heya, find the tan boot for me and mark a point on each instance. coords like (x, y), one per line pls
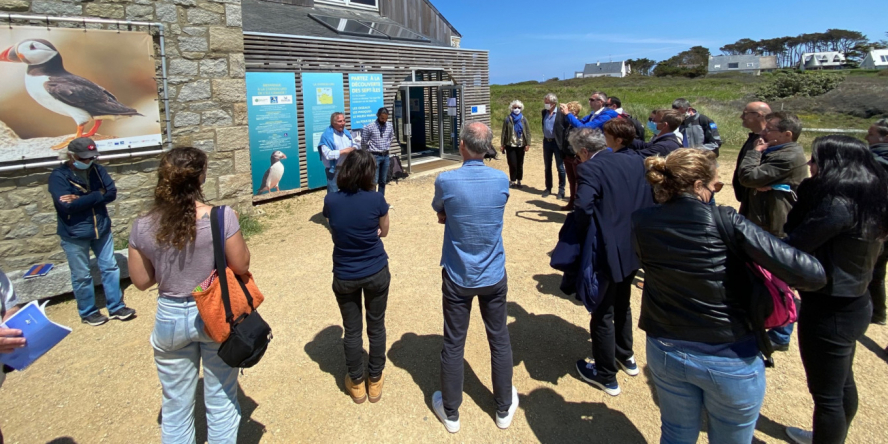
(375, 388)
(358, 392)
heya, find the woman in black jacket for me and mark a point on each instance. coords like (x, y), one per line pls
(840, 218)
(700, 349)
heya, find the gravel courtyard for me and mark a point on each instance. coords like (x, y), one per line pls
(100, 384)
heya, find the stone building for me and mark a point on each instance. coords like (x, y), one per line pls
(204, 50)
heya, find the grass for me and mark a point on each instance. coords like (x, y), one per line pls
(250, 225)
(722, 98)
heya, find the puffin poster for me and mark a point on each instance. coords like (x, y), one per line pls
(61, 83)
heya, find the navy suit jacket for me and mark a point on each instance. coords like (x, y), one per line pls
(611, 186)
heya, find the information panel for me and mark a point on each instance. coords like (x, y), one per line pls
(365, 98)
(322, 95)
(274, 132)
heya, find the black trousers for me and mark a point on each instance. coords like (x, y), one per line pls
(829, 328)
(611, 328)
(457, 309)
(348, 294)
(877, 286)
(515, 158)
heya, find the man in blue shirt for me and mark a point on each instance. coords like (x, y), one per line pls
(596, 119)
(553, 139)
(335, 143)
(470, 202)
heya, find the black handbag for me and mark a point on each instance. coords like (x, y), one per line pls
(250, 334)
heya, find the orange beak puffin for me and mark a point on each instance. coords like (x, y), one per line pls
(61, 92)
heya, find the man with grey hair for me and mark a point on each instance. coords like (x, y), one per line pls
(553, 140)
(611, 186)
(698, 131)
(335, 144)
(470, 202)
(877, 137)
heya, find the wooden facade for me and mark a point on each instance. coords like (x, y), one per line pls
(396, 62)
(420, 16)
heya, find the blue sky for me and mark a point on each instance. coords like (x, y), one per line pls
(533, 40)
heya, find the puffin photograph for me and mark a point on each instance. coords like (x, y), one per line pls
(59, 91)
(274, 173)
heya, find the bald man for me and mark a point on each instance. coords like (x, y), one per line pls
(753, 118)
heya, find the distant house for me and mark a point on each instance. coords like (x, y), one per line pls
(822, 60)
(875, 59)
(745, 63)
(608, 69)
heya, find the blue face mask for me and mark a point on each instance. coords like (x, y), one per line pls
(82, 166)
(653, 127)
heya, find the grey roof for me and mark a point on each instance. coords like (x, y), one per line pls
(277, 18)
(603, 68)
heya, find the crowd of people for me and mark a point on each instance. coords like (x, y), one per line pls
(818, 224)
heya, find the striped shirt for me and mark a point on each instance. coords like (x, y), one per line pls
(376, 139)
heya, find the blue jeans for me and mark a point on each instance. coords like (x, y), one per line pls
(331, 180)
(180, 344)
(382, 171)
(781, 335)
(77, 251)
(730, 389)
(551, 149)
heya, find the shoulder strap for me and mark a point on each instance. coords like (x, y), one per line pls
(217, 226)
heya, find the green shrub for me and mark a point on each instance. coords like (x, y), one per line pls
(250, 226)
(883, 73)
(799, 84)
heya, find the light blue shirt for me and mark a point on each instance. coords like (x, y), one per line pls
(474, 199)
(549, 125)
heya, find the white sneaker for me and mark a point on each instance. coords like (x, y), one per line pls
(438, 406)
(629, 366)
(505, 422)
(799, 436)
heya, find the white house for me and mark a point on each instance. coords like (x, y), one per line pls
(608, 69)
(822, 60)
(876, 59)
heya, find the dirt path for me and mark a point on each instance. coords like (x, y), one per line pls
(101, 384)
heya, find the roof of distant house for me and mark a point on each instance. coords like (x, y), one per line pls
(603, 68)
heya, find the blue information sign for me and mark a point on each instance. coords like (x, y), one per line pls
(274, 134)
(322, 95)
(365, 98)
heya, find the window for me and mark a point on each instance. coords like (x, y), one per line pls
(750, 65)
(837, 59)
(365, 4)
(396, 32)
(884, 58)
(733, 65)
(362, 28)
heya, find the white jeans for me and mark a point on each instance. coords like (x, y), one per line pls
(180, 344)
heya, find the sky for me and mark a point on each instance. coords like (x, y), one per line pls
(533, 40)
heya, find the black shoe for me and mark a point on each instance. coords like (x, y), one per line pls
(589, 373)
(560, 194)
(94, 319)
(878, 320)
(546, 194)
(518, 185)
(779, 347)
(123, 314)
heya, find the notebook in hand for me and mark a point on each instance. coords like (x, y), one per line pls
(41, 334)
(38, 270)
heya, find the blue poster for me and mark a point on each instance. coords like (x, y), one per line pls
(322, 95)
(365, 98)
(274, 133)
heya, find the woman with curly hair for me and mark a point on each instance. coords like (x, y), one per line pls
(172, 246)
(515, 142)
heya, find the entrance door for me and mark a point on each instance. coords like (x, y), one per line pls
(451, 115)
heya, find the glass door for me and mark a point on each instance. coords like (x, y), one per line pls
(451, 115)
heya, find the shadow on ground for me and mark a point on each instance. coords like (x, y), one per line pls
(326, 350)
(319, 219)
(248, 432)
(62, 440)
(871, 345)
(554, 420)
(773, 429)
(421, 357)
(548, 345)
(551, 206)
(541, 216)
(551, 284)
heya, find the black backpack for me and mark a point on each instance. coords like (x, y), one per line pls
(396, 171)
(639, 128)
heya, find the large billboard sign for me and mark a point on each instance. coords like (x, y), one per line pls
(322, 95)
(274, 132)
(61, 83)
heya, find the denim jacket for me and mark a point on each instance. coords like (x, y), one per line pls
(87, 216)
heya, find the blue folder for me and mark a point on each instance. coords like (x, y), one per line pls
(41, 334)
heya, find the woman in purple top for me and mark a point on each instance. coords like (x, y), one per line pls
(358, 219)
(172, 246)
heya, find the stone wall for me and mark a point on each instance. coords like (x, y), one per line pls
(205, 69)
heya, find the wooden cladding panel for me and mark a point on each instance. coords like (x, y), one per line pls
(418, 16)
(395, 63)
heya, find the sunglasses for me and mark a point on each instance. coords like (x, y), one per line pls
(717, 187)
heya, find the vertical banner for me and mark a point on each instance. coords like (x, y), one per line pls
(364, 98)
(274, 132)
(322, 95)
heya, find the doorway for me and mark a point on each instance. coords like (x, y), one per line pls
(429, 113)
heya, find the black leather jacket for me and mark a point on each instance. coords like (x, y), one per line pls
(684, 258)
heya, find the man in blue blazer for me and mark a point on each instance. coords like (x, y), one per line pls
(611, 186)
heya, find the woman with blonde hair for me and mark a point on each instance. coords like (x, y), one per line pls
(701, 350)
(515, 141)
(172, 246)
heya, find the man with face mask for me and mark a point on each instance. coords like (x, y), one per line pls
(699, 130)
(663, 124)
(80, 190)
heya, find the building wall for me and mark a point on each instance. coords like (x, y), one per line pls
(395, 62)
(418, 16)
(204, 47)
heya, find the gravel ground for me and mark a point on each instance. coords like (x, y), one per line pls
(100, 384)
